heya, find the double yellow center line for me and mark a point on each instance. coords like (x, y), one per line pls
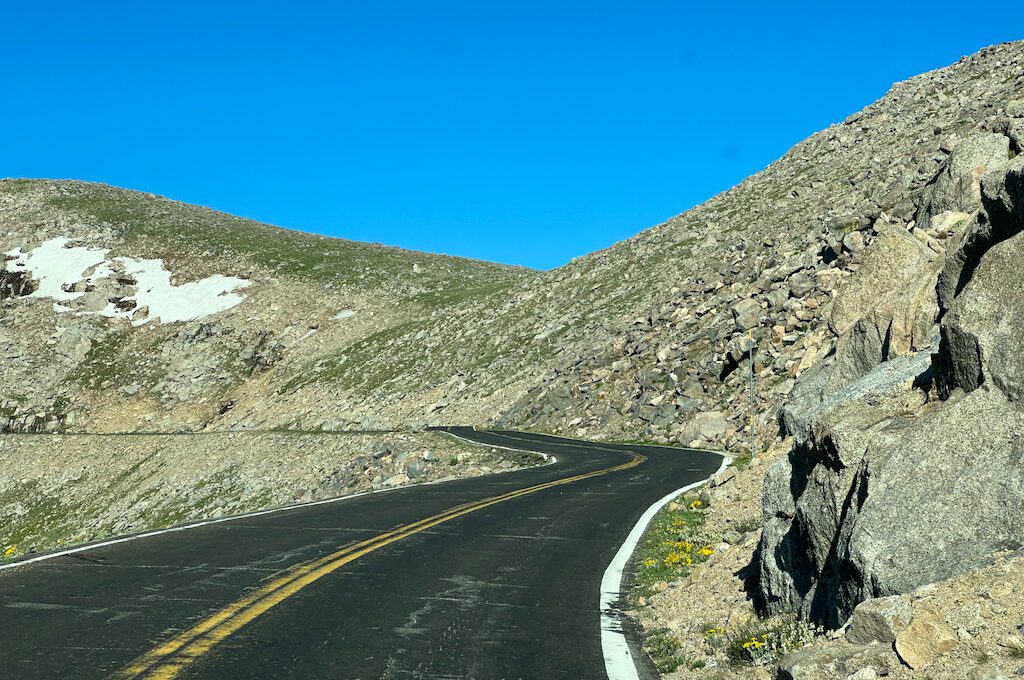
(168, 659)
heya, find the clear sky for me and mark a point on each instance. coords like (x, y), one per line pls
(522, 132)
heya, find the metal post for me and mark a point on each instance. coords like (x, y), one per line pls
(750, 337)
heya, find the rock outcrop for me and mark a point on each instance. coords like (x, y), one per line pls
(911, 472)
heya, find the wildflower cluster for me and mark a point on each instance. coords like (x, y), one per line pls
(757, 647)
(684, 553)
(672, 545)
(10, 551)
(767, 641)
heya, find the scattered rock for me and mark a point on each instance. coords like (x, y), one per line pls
(800, 284)
(926, 638)
(878, 620)
(819, 662)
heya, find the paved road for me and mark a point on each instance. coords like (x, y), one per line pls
(492, 577)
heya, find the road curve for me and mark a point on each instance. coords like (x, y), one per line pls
(491, 577)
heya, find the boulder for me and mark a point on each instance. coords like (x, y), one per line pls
(416, 469)
(982, 331)
(826, 662)
(746, 314)
(861, 509)
(879, 619)
(1002, 216)
(1015, 108)
(93, 301)
(854, 241)
(559, 397)
(739, 348)
(956, 186)
(905, 269)
(865, 345)
(816, 393)
(800, 284)
(926, 638)
(777, 297)
(709, 426)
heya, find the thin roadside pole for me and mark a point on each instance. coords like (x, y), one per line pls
(750, 364)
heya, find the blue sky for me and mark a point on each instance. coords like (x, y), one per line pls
(526, 132)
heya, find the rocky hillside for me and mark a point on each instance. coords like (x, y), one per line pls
(890, 510)
(649, 337)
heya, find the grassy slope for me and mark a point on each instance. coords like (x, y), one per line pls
(393, 288)
(176, 230)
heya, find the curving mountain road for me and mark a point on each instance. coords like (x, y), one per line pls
(490, 577)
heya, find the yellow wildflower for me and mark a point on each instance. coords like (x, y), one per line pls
(685, 546)
(678, 559)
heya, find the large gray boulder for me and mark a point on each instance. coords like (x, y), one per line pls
(879, 501)
(956, 187)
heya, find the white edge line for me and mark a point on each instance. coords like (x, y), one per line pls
(618, 660)
(257, 513)
(546, 456)
(618, 445)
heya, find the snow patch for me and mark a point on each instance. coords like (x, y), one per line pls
(345, 314)
(58, 267)
(53, 264)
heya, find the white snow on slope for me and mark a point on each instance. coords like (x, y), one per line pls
(52, 265)
(55, 265)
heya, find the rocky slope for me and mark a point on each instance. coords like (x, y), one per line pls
(911, 472)
(901, 466)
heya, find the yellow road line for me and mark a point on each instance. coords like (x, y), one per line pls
(171, 657)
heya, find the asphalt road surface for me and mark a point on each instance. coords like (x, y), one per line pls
(484, 578)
